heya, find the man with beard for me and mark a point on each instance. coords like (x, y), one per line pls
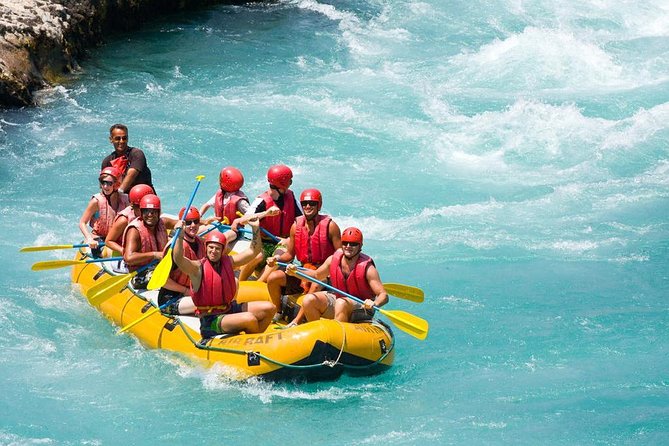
(313, 238)
(129, 161)
(213, 286)
(102, 209)
(351, 271)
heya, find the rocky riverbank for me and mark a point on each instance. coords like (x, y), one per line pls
(41, 41)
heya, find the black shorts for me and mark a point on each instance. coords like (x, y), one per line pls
(210, 323)
(293, 286)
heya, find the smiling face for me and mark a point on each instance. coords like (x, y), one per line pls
(351, 249)
(107, 184)
(214, 251)
(310, 209)
(190, 228)
(119, 139)
(150, 217)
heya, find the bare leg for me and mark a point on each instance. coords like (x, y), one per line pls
(314, 305)
(275, 281)
(250, 267)
(343, 309)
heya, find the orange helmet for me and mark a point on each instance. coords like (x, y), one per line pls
(231, 179)
(280, 176)
(352, 235)
(138, 191)
(193, 214)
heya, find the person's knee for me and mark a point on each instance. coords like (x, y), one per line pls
(277, 277)
(309, 300)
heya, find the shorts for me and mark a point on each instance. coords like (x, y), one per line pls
(210, 323)
(329, 311)
(359, 313)
(269, 248)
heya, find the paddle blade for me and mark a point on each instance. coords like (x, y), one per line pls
(138, 320)
(162, 272)
(44, 248)
(99, 293)
(408, 322)
(412, 293)
(53, 264)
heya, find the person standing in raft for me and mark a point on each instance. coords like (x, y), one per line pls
(229, 199)
(313, 238)
(177, 287)
(351, 271)
(114, 239)
(130, 161)
(279, 177)
(102, 209)
(144, 239)
(214, 287)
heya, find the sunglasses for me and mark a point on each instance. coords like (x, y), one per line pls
(309, 203)
(150, 211)
(353, 244)
(191, 222)
(106, 183)
(120, 138)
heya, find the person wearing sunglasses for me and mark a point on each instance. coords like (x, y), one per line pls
(114, 239)
(279, 195)
(313, 238)
(102, 209)
(351, 271)
(177, 286)
(144, 239)
(129, 161)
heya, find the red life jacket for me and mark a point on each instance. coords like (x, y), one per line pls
(279, 225)
(106, 213)
(127, 213)
(218, 287)
(149, 241)
(226, 207)
(120, 164)
(179, 276)
(356, 282)
(314, 248)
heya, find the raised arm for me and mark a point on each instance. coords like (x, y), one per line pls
(247, 255)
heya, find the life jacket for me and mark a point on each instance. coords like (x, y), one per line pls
(356, 282)
(179, 276)
(127, 212)
(102, 221)
(279, 225)
(149, 241)
(218, 287)
(314, 248)
(226, 207)
(121, 164)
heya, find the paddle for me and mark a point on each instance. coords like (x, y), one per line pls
(148, 313)
(260, 215)
(53, 264)
(412, 293)
(104, 290)
(407, 292)
(407, 322)
(50, 247)
(162, 271)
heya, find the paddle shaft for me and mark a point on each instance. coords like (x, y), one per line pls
(148, 313)
(52, 247)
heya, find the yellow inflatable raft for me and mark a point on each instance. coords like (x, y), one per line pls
(320, 350)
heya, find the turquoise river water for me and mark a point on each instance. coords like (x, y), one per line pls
(510, 157)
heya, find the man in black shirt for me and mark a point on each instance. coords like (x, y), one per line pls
(130, 161)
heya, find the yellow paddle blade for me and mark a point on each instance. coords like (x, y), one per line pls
(44, 248)
(162, 272)
(138, 320)
(104, 290)
(53, 264)
(407, 322)
(250, 290)
(407, 292)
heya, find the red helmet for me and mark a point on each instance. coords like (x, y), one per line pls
(138, 191)
(193, 214)
(352, 235)
(280, 176)
(149, 201)
(113, 171)
(215, 237)
(312, 195)
(231, 179)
